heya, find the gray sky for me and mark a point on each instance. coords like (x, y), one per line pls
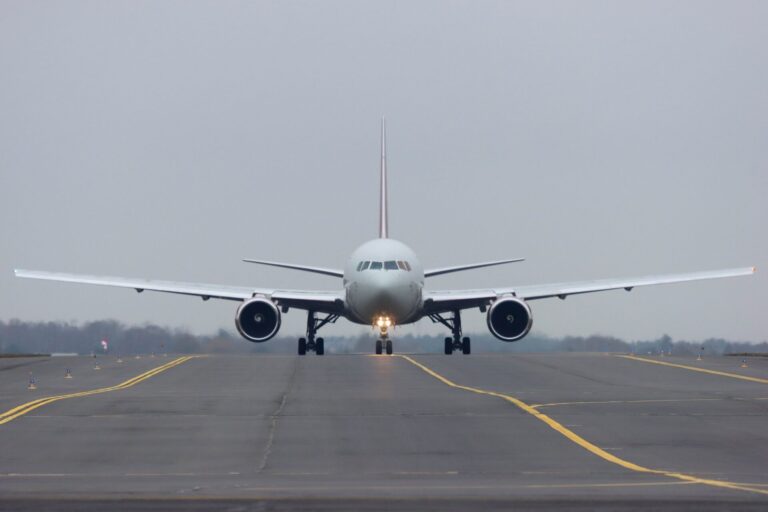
(598, 139)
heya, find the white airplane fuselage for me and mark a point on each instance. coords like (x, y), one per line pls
(389, 285)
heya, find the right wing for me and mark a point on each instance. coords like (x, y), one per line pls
(321, 301)
(562, 290)
(439, 301)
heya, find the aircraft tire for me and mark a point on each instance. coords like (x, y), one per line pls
(320, 346)
(389, 347)
(448, 346)
(378, 347)
(302, 346)
(466, 347)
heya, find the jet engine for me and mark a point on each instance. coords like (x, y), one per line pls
(257, 320)
(509, 319)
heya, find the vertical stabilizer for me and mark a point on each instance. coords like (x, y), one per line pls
(383, 218)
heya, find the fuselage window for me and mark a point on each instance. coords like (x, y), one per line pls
(375, 265)
(390, 265)
(365, 265)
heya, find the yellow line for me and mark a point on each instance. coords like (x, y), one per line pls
(577, 439)
(556, 404)
(612, 484)
(23, 409)
(695, 369)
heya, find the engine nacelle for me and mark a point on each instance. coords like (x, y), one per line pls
(257, 320)
(509, 319)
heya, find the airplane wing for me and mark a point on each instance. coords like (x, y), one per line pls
(438, 301)
(322, 301)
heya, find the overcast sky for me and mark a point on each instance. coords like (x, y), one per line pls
(598, 139)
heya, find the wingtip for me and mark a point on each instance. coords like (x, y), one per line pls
(754, 270)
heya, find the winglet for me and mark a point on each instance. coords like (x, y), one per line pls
(383, 217)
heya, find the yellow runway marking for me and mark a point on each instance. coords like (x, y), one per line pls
(695, 369)
(23, 409)
(577, 439)
(557, 404)
(612, 484)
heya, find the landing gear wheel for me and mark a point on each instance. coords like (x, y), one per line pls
(448, 346)
(389, 347)
(378, 347)
(466, 347)
(313, 324)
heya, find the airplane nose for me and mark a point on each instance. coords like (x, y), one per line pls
(378, 293)
(390, 297)
(383, 296)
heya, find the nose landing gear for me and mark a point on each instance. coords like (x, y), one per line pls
(384, 345)
(313, 325)
(456, 342)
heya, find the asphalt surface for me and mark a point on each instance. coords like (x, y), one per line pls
(368, 433)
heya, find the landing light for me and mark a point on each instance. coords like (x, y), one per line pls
(383, 321)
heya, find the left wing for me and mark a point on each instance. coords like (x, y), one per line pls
(460, 299)
(322, 301)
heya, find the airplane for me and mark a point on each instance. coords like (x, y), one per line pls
(383, 285)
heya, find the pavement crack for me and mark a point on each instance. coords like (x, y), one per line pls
(275, 416)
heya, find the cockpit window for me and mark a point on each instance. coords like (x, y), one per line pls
(384, 265)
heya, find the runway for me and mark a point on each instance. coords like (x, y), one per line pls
(434, 432)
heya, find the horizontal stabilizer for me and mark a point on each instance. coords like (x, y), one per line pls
(459, 268)
(304, 268)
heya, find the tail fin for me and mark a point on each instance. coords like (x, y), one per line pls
(383, 217)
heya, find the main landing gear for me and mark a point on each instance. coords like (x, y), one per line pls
(454, 324)
(313, 325)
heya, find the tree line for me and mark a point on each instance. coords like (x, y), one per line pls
(19, 337)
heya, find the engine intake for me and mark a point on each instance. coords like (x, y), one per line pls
(510, 319)
(257, 320)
